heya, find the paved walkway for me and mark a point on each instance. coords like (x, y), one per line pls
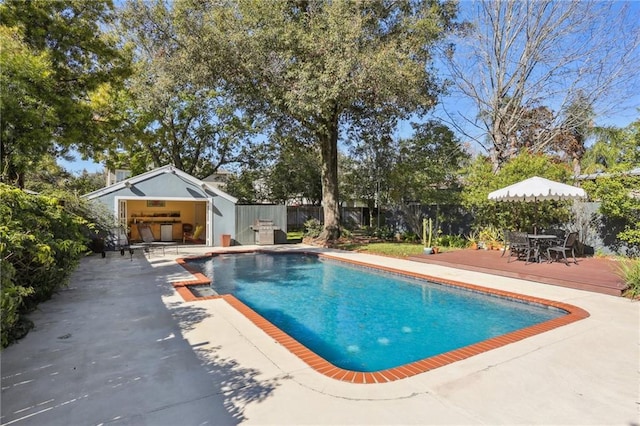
(118, 346)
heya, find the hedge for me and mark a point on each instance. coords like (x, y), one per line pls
(41, 243)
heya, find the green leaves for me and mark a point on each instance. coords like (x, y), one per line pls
(427, 167)
(179, 114)
(322, 66)
(615, 153)
(40, 245)
(57, 55)
(619, 195)
(479, 181)
(27, 119)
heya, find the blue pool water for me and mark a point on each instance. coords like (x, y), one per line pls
(360, 319)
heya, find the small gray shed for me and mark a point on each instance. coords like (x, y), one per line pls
(170, 201)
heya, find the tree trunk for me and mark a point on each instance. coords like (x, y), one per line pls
(331, 208)
(577, 169)
(498, 139)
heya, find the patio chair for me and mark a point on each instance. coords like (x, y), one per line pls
(569, 245)
(194, 236)
(506, 242)
(520, 247)
(510, 242)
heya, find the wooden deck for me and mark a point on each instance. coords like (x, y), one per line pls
(590, 274)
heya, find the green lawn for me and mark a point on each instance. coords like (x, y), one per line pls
(389, 249)
(383, 248)
(294, 235)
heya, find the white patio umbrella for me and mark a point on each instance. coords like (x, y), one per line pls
(537, 189)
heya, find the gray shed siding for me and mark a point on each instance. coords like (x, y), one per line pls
(247, 215)
(224, 219)
(164, 186)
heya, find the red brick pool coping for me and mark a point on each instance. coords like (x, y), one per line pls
(322, 366)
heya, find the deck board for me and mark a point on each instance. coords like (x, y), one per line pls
(590, 274)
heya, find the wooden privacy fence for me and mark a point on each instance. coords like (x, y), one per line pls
(298, 215)
(596, 232)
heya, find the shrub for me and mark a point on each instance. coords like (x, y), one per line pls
(629, 271)
(383, 232)
(618, 204)
(40, 245)
(456, 241)
(11, 299)
(410, 237)
(312, 228)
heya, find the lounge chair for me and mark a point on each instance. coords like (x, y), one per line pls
(569, 245)
(149, 241)
(117, 240)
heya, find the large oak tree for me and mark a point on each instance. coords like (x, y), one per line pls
(318, 66)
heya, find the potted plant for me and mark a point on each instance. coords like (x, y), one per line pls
(484, 238)
(439, 241)
(473, 240)
(489, 237)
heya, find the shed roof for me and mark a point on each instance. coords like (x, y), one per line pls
(155, 173)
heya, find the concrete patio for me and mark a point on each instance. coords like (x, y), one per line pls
(119, 346)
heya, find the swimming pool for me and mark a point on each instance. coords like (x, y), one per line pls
(365, 321)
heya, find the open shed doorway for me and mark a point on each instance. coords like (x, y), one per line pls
(199, 227)
(168, 219)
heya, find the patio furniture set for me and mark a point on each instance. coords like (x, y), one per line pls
(534, 247)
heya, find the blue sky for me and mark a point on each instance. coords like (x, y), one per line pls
(77, 166)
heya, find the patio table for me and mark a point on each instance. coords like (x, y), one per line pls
(540, 242)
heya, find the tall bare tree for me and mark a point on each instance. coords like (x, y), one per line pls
(519, 55)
